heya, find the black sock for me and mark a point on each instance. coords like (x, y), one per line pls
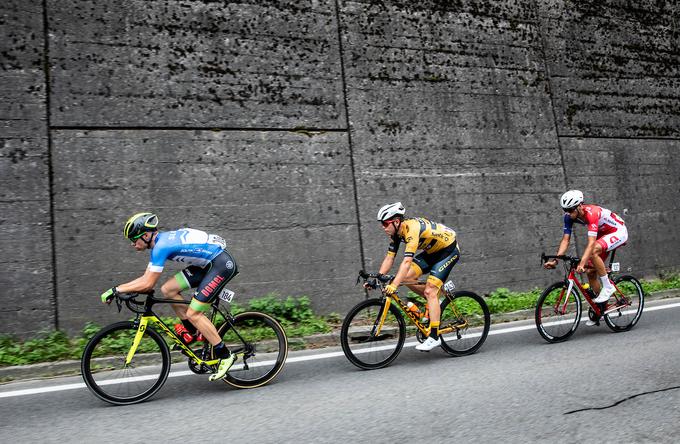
(221, 351)
(189, 326)
(434, 330)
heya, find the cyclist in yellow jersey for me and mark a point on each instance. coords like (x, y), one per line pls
(438, 256)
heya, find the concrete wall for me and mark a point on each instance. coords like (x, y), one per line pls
(285, 125)
(27, 293)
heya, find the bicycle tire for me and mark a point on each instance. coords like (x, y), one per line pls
(265, 346)
(625, 319)
(358, 339)
(552, 325)
(473, 310)
(110, 379)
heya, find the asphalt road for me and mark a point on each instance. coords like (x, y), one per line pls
(597, 387)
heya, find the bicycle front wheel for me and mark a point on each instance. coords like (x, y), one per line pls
(628, 305)
(558, 312)
(465, 322)
(261, 346)
(369, 339)
(109, 378)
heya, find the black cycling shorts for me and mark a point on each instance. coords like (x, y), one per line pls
(439, 264)
(209, 280)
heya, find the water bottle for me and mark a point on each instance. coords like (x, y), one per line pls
(426, 316)
(587, 288)
(413, 308)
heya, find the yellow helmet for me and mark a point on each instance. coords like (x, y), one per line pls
(139, 224)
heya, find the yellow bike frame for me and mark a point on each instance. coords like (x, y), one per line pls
(144, 322)
(424, 329)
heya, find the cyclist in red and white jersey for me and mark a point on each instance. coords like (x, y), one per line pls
(606, 232)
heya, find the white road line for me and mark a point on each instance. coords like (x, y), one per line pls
(314, 357)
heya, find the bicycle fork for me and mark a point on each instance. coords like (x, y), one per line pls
(563, 299)
(143, 324)
(377, 328)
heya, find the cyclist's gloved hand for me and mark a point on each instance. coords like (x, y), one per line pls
(108, 295)
(390, 289)
(370, 283)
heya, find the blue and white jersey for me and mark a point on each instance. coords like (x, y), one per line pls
(186, 245)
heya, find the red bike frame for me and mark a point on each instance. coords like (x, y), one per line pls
(599, 309)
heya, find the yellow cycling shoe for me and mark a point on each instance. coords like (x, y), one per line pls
(223, 368)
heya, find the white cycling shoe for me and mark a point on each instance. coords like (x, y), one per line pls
(429, 344)
(604, 295)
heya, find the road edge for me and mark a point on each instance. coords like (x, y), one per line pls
(45, 370)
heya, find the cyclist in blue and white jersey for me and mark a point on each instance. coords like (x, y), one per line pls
(210, 267)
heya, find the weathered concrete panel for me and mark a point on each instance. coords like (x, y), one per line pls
(26, 292)
(282, 200)
(455, 108)
(638, 179)
(614, 67)
(195, 63)
(450, 113)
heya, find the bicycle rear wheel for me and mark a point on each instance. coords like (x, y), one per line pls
(104, 370)
(261, 344)
(364, 345)
(630, 300)
(465, 322)
(558, 312)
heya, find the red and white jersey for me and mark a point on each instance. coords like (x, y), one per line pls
(600, 221)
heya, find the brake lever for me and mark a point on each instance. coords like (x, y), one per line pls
(119, 304)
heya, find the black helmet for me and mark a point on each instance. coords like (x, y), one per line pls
(139, 224)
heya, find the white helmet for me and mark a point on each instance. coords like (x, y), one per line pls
(571, 198)
(391, 210)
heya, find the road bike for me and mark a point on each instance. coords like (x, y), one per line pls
(558, 310)
(373, 332)
(129, 361)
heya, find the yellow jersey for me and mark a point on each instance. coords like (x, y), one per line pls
(419, 233)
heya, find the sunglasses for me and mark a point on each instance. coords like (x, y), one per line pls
(134, 238)
(386, 223)
(570, 210)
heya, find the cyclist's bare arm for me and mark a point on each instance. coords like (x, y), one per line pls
(403, 271)
(143, 283)
(586, 254)
(386, 264)
(564, 246)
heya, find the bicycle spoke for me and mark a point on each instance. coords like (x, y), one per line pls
(624, 313)
(260, 345)
(106, 373)
(360, 343)
(558, 313)
(465, 322)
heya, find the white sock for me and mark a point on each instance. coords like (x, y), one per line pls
(605, 281)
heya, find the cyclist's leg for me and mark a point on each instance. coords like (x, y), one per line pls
(418, 268)
(440, 271)
(221, 270)
(603, 246)
(593, 268)
(186, 279)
